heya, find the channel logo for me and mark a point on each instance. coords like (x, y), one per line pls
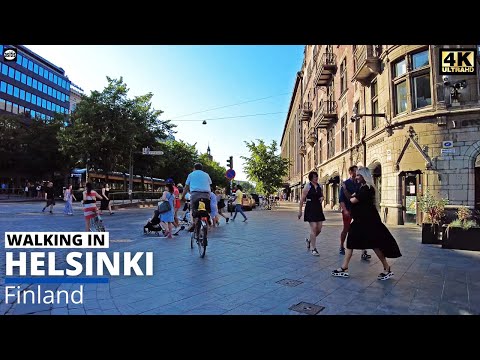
(10, 55)
(458, 61)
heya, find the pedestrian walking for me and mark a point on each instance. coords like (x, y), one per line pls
(68, 197)
(221, 204)
(312, 194)
(49, 197)
(349, 187)
(105, 204)
(238, 203)
(90, 197)
(168, 217)
(367, 230)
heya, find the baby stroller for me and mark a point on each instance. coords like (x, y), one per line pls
(153, 225)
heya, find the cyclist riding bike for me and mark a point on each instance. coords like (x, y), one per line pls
(198, 184)
(90, 205)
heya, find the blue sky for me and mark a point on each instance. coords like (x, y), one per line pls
(188, 79)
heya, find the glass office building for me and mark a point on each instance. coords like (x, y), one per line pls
(32, 85)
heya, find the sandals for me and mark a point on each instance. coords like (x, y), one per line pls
(315, 252)
(386, 274)
(365, 255)
(308, 243)
(341, 272)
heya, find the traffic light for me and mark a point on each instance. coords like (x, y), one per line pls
(230, 162)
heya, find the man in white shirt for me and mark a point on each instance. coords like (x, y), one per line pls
(198, 185)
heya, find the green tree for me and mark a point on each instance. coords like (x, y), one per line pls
(265, 167)
(108, 127)
(216, 172)
(176, 162)
(247, 187)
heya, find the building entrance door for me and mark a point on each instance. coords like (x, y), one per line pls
(412, 190)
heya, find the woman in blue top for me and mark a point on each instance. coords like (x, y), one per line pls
(168, 217)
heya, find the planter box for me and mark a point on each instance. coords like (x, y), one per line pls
(430, 236)
(460, 239)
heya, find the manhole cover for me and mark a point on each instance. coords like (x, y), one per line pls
(289, 282)
(307, 308)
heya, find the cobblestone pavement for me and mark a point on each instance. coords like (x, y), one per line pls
(243, 264)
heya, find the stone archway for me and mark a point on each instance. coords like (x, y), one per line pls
(477, 182)
(472, 157)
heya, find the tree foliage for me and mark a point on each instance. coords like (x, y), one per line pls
(29, 147)
(108, 126)
(216, 172)
(176, 162)
(264, 166)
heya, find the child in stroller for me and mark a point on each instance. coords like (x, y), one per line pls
(153, 224)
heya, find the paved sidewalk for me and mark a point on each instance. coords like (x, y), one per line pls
(245, 262)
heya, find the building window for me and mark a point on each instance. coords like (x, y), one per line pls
(35, 83)
(40, 71)
(9, 89)
(44, 103)
(16, 91)
(24, 78)
(21, 109)
(9, 106)
(412, 77)
(343, 76)
(35, 68)
(34, 99)
(15, 108)
(22, 94)
(4, 69)
(11, 72)
(29, 81)
(357, 122)
(18, 75)
(2, 104)
(25, 62)
(50, 76)
(343, 134)
(30, 65)
(374, 90)
(3, 86)
(28, 97)
(49, 91)
(44, 88)
(331, 142)
(320, 145)
(19, 59)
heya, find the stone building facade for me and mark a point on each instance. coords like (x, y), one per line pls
(386, 107)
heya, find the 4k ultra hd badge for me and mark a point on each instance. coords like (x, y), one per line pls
(10, 55)
(458, 61)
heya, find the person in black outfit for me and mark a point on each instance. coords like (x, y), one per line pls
(313, 195)
(105, 202)
(367, 230)
(49, 197)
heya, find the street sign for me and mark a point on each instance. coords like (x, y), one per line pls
(155, 152)
(448, 151)
(230, 174)
(447, 144)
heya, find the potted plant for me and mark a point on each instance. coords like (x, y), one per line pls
(463, 233)
(433, 210)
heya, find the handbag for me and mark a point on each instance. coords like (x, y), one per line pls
(164, 207)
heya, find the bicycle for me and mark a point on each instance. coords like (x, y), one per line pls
(200, 231)
(200, 236)
(96, 224)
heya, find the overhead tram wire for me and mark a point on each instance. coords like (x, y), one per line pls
(225, 106)
(231, 117)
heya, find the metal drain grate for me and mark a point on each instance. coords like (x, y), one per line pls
(307, 308)
(289, 282)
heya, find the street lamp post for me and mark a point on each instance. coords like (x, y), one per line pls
(357, 117)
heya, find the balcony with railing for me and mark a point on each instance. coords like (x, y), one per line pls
(326, 113)
(305, 111)
(302, 150)
(367, 63)
(325, 69)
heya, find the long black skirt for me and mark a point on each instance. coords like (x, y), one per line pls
(372, 235)
(104, 204)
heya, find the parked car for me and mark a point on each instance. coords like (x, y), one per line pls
(256, 198)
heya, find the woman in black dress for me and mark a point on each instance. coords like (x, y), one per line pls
(367, 230)
(313, 194)
(105, 203)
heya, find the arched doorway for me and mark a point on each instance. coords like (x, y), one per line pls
(376, 171)
(477, 182)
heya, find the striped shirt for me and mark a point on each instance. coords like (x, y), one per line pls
(90, 209)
